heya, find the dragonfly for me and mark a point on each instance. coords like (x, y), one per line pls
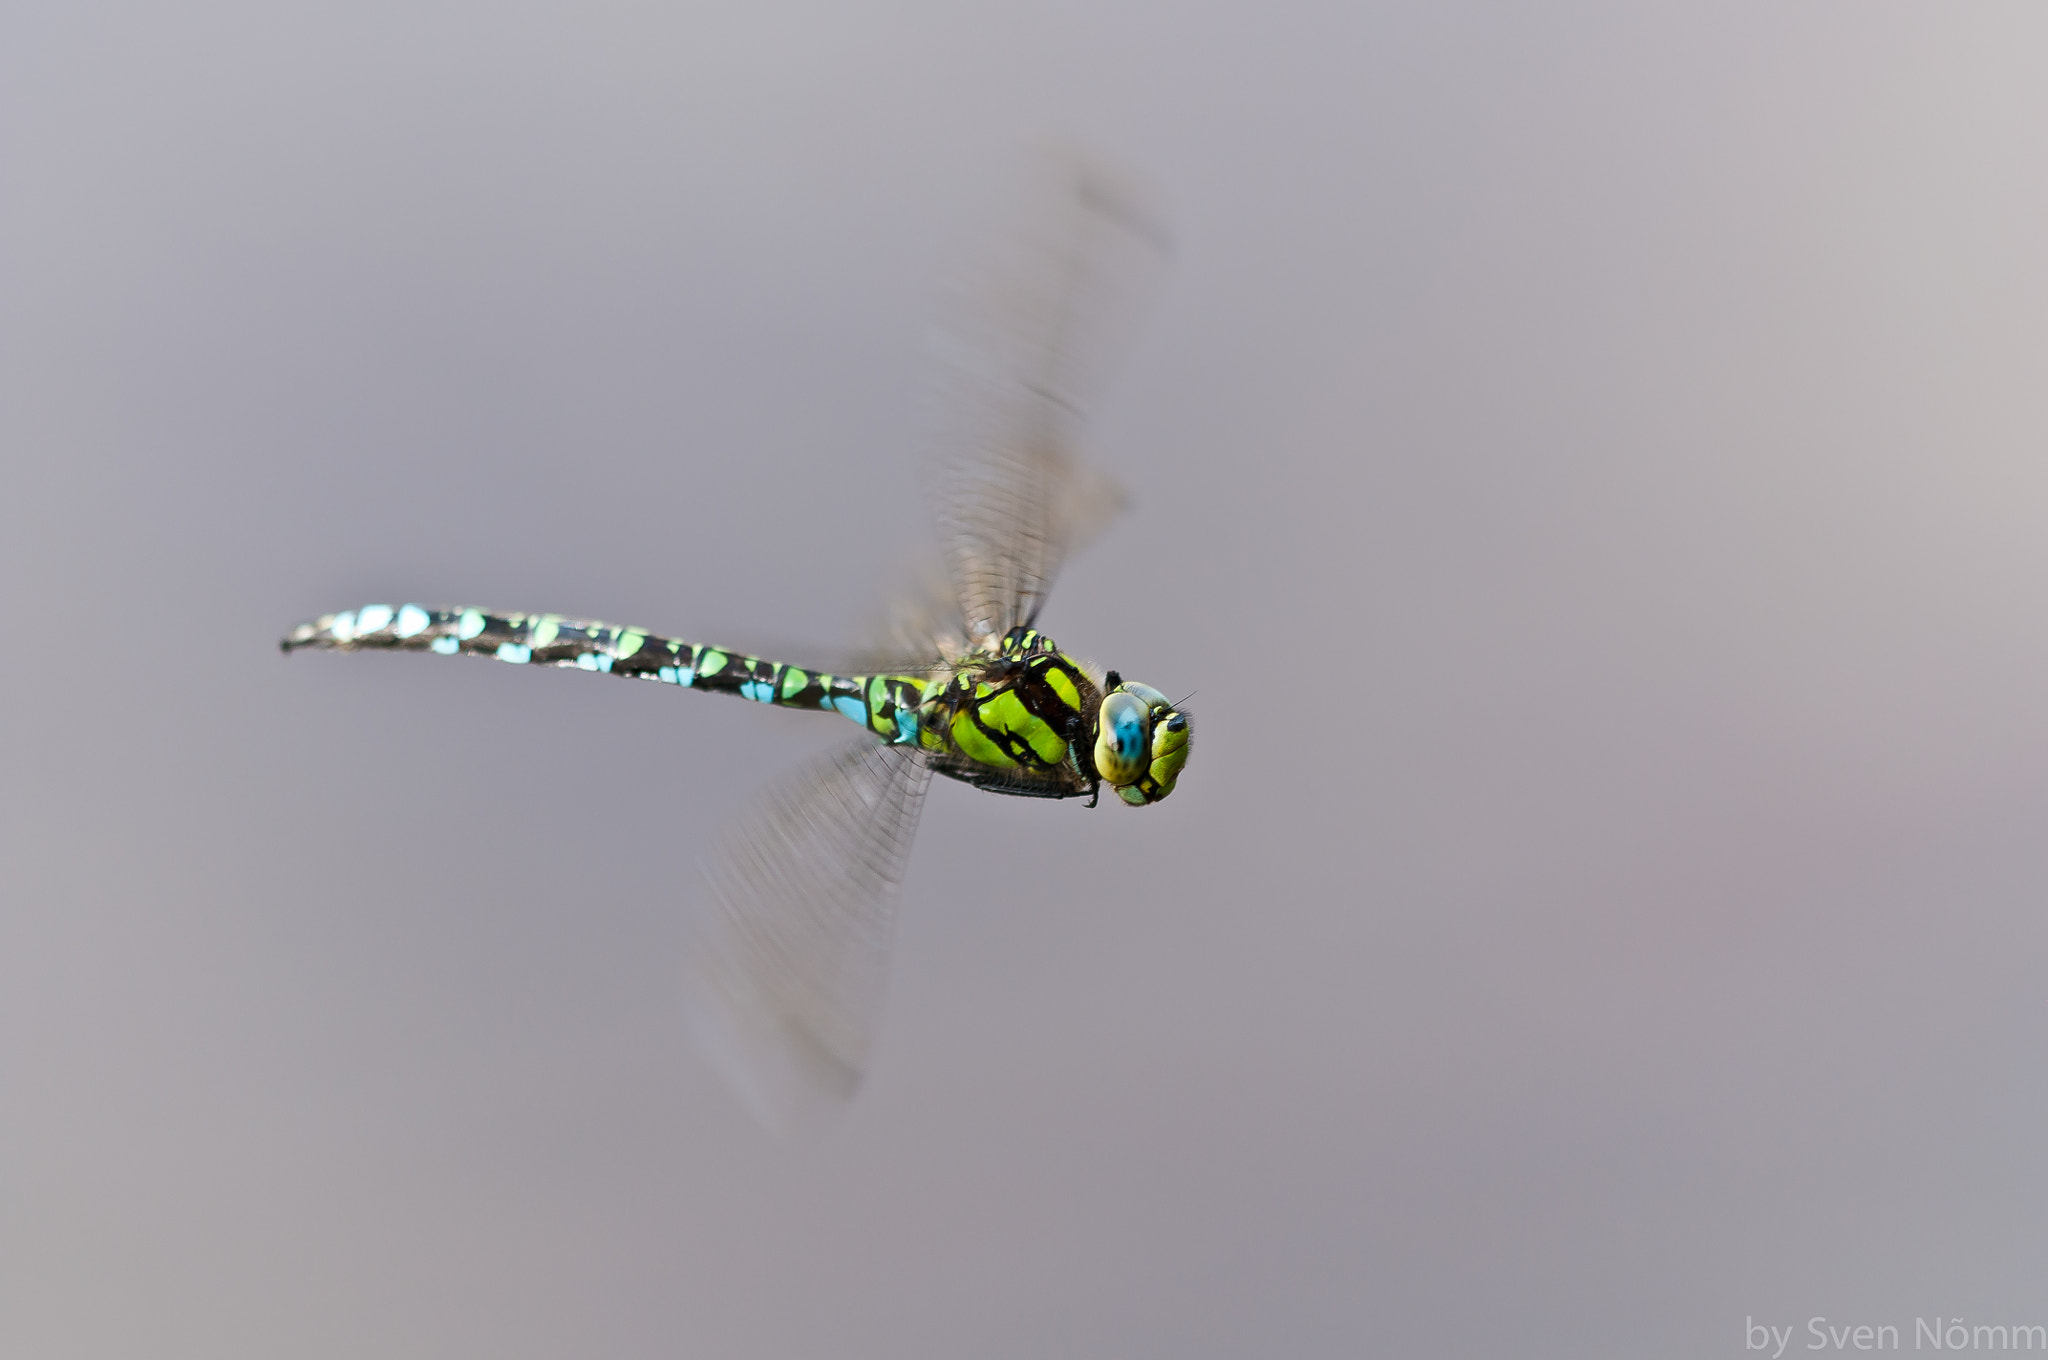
(790, 939)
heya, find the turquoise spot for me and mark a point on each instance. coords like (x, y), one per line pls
(1127, 732)
(446, 646)
(343, 627)
(469, 625)
(851, 708)
(760, 691)
(593, 661)
(666, 674)
(372, 617)
(412, 620)
(514, 653)
(906, 726)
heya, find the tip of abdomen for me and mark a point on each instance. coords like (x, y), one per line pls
(304, 635)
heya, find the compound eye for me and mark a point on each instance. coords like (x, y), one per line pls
(1169, 753)
(1150, 697)
(1123, 738)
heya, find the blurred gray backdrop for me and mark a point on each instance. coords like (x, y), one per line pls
(1588, 460)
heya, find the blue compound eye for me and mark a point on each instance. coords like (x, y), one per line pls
(1123, 738)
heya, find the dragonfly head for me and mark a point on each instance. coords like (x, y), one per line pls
(1141, 741)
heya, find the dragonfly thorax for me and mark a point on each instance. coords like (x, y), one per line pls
(1014, 718)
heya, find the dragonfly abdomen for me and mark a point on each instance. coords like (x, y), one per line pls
(885, 705)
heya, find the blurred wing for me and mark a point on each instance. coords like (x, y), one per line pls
(919, 633)
(792, 942)
(1031, 335)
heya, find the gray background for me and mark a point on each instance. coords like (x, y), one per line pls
(1589, 462)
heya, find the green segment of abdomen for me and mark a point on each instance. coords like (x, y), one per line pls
(886, 705)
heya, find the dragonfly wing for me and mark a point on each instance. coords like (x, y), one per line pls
(1030, 337)
(791, 953)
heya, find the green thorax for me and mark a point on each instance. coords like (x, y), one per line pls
(1018, 720)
